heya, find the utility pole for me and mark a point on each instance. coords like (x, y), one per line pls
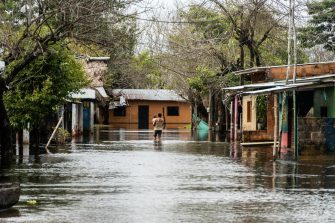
(295, 118)
(292, 38)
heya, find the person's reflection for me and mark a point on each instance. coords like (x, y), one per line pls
(158, 145)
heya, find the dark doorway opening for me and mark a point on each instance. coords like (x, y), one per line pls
(143, 117)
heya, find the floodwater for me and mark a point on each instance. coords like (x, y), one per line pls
(123, 176)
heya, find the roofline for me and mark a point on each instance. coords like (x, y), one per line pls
(181, 100)
(266, 86)
(260, 69)
(250, 70)
(98, 58)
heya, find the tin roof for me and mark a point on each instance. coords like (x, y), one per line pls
(85, 93)
(102, 91)
(263, 69)
(98, 58)
(278, 86)
(149, 94)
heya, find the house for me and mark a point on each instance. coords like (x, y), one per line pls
(135, 108)
(300, 113)
(90, 105)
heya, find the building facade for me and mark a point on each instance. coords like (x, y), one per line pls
(135, 108)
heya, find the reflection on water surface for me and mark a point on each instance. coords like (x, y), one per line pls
(123, 176)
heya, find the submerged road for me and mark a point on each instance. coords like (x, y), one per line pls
(122, 176)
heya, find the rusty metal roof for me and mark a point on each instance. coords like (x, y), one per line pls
(278, 86)
(149, 94)
(253, 70)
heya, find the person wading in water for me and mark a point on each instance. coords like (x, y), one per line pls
(158, 124)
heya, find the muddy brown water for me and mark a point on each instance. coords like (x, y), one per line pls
(123, 176)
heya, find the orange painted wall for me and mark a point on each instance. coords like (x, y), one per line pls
(155, 107)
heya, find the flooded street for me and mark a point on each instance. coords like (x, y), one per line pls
(122, 176)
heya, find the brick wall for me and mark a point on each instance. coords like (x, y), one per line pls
(316, 135)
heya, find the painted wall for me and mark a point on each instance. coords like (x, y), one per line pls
(130, 120)
(324, 97)
(249, 125)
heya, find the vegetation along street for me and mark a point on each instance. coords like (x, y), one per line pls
(167, 111)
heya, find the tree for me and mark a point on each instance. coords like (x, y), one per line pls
(43, 86)
(29, 28)
(320, 29)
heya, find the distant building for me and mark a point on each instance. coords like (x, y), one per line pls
(307, 128)
(90, 105)
(135, 108)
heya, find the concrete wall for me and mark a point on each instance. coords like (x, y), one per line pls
(96, 72)
(316, 135)
(324, 97)
(155, 107)
(252, 125)
(250, 131)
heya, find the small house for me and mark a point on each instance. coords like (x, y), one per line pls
(85, 110)
(300, 111)
(90, 105)
(135, 108)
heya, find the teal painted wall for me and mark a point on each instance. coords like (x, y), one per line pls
(324, 97)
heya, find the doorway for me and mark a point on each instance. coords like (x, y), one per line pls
(143, 116)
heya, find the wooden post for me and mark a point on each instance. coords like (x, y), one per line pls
(227, 118)
(91, 117)
(295, 126)
(210, 117)
(236, 117)
(74, 121)
(231, 121)
(275, 133)
(53, 134)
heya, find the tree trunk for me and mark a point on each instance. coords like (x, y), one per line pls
(34, 140)
(241, 66)
(5, 129)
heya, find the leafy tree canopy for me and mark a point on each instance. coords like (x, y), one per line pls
(42, 86)
(321, 27)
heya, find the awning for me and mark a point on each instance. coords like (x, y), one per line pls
(277, 86)
(85, 93)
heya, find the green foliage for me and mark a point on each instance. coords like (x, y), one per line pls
(321, 27)
(146, 65)
(42, 86)
(144, 72)
(217, 27)
(261, 114)
(204, 78)
(61, 135)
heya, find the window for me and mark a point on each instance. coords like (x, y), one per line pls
(120, 111)
(323, 111)
(249, 111)
(173, 111)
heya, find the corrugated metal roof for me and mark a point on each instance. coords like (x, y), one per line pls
(85, 93)
(267, 87)
(98, 58)
(278, 88)
(262, 69)
(149, 94)
(102, 91)
(253, 86)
